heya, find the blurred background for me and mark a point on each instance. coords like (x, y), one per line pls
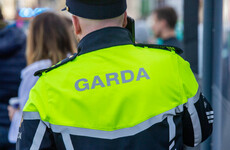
(203, 27)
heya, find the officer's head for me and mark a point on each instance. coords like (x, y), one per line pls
(91, 15)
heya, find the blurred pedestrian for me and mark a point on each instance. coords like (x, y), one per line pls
(49, 41)
(142, 32)
(12, 61)
(164, 23)
(114, 94)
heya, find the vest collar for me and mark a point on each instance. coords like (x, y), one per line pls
(104, 38)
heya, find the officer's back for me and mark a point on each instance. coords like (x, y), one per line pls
(114, 94)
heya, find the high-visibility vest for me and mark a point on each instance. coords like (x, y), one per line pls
(112, 92)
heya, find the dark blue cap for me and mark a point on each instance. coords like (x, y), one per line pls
(96, 9)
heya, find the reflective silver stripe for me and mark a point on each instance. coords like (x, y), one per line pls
(67, 141)
(210, 117)
(171, 145)
(195, 118)
(38, 136)
(47, 124)
(210, 121)
(196, 124)
(116, 133)
(31, 115)
(192, 148)
(172, 131)
(195, 98)
(209, 113)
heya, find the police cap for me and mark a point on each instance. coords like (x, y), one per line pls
(96, 9)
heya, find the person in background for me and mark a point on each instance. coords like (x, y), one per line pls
(142, 32)
(47, 45)
(164, 22)
(12, 61)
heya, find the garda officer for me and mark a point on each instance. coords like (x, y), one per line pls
(113, 94)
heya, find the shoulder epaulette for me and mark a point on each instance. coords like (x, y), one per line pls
(164, 47)
(64, 61)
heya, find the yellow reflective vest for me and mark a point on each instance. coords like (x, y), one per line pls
(120, 97)
(139, 83)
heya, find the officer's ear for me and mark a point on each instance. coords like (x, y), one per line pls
(76, 24)
(125, 20)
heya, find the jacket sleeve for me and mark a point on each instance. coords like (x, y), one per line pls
(34, 134)
(33, 131)
(197, 120)
(198, 114)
